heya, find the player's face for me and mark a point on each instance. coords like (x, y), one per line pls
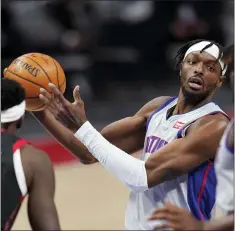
(200, 75)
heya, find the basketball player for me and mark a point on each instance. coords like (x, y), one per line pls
(179, 135)
(180, 219)
(25, 170)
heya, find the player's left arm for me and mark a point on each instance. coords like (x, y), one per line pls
(230, 137)
(183, 155)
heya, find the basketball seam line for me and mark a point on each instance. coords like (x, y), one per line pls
(25, 79)
(57, 76)
(40, 67)
(62, 84)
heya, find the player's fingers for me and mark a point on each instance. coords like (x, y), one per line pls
(44, 99)
(166, 216)
(161, 227)
(174, 226)
(49, 106)
(159, 216)
(46, 94)
(76, 95)
(159, 211)
(57, 108)
(171, 207)
(57, 111)
(168, 225)
(48, 99)
(57, 94)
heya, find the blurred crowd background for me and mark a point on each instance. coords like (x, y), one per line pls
(121, 53)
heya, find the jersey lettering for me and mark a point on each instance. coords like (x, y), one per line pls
(154, 143)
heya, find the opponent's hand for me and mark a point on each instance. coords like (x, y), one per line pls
(72, 115)
(176, 218)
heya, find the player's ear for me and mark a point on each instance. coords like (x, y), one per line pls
(220, 81)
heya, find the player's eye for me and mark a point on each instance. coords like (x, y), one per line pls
(192, 62)
(210, 68)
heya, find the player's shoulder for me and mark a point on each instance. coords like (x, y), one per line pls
(218, 120)
(152, 105)
(230, 135)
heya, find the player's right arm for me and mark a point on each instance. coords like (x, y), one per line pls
(225, 223)
(127, 134)
(40, 182)
(177, 218)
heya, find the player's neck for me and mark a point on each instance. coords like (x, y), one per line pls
(183, 106)
(10, 129)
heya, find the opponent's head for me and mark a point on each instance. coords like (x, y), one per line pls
(201, 69)
(228, 57)
(12, 104)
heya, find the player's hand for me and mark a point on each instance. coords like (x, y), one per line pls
(72, 115)
(176, 218)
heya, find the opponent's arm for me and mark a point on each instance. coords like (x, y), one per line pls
(40, 180)
(127, 134)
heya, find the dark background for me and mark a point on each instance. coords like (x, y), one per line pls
(121, 53)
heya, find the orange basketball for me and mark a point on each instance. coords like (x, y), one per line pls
(34, 71)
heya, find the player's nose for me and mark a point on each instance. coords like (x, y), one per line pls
(198, 69)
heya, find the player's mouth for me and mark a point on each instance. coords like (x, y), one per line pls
(196, 83)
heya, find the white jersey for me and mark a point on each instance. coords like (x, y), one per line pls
(194, 191)
(224, 167)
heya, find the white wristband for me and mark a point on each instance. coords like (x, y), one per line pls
(126, 168)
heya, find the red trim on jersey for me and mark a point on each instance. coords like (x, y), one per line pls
(203, 188)
(19, 144)
(16, 146)
(10, 221)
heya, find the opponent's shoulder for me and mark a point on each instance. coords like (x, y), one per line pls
(152, 105)
(34, 157)
(35, 163)
(218, 121)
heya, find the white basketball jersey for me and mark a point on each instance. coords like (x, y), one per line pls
(224, 167)
(194, 191)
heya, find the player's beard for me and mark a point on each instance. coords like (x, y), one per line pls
(194, 98)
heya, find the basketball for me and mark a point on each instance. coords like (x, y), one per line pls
(34, 71)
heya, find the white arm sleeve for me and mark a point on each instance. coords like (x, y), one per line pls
(126, 168)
